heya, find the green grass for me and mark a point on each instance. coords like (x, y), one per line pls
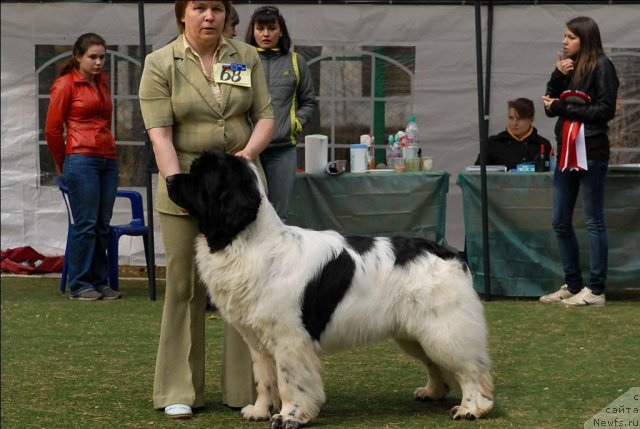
(68, 364)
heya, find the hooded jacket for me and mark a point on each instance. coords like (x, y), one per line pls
(293, 99)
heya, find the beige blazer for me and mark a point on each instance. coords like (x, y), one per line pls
(174, 92)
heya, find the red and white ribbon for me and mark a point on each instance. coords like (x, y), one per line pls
(574, 151)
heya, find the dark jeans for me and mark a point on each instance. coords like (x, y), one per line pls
(279, 166)
(565, 193)
(92, 183)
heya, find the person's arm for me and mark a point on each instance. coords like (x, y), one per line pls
(59, 103)
(557, 84)
(260, 138)
(477, 160)
(166, 158)
(603, 93)
(260, 113)
(489, 159)
(155, 94)
(164, 151)
(305, 96)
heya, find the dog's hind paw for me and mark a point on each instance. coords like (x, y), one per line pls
(254, 414)
(461, 413)
(277, 422)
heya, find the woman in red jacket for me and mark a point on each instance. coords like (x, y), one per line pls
(78, 133)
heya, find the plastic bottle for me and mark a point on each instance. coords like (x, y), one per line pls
(397, 145)
(540, 160)
(389, 152)
(365, 139)
(372, 152)
(412, 130)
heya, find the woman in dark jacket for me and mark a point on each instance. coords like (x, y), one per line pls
(292, 98)
(582, 94)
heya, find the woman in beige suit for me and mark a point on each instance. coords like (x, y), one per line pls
(200, 92)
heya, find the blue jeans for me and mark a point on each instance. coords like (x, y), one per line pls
(92, 183)
(565, 193)
(279, 166)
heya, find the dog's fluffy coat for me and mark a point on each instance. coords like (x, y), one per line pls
(294, 293)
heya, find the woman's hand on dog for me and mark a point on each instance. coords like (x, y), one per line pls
(246, 153)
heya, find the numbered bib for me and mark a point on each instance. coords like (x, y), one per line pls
(232, 74)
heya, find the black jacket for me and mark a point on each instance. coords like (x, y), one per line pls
(602, 86)
(503, 149)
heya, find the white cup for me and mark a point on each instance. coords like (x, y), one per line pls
(359, 158)
(427, 163)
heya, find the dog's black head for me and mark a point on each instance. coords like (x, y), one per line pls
(222, 193)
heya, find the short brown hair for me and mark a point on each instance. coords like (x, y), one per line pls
(181, 6)
(523, 107)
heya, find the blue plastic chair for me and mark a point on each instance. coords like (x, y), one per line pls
(136, 227)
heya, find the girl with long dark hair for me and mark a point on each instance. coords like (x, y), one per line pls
(582, 94)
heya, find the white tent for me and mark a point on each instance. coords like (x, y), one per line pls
(525, 38)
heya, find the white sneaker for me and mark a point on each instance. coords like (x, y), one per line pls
(583, 298)
(178, 411)
(558, 296)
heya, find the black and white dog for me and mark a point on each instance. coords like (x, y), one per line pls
(294, 293)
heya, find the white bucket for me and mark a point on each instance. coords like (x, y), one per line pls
(316, 153)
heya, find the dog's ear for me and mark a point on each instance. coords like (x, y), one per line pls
(240, 200)
(228, 198)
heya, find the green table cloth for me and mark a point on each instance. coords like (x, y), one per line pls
(411, 204)
(524, 255)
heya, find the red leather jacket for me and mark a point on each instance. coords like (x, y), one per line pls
(84, 113)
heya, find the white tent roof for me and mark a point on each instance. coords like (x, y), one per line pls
(525, 40)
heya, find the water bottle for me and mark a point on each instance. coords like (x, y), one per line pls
(365, 139)
(372, 152)
(389, 152)
(412, 130)
(397, 145)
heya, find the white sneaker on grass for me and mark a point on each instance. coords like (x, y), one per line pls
(178, 411)
(583, 298)
(558, 296)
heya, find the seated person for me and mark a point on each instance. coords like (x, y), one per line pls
(520, 142)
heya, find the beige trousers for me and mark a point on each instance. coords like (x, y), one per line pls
(179, 375)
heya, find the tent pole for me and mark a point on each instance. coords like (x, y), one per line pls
(487, 79)
(148, 169)
(483, 156)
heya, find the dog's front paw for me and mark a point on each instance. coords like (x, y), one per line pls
(461, 413)
(255, 414)
(428, 394)
(278, 422)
